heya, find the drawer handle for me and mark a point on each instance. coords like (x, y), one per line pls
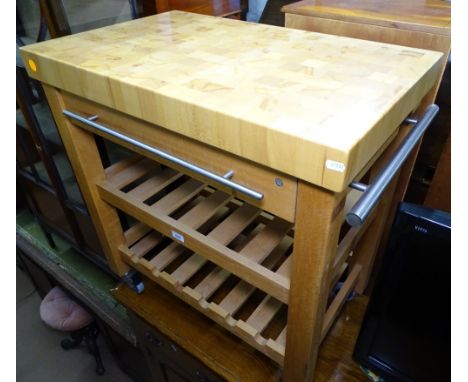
(373, 192)
(223, 180)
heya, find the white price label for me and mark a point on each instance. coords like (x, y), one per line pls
(335, 166)
(177, 236)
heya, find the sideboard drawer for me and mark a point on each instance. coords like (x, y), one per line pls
(277, 190)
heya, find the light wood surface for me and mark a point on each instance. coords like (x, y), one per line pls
(432, 16)
(313, 257)
(314, 106)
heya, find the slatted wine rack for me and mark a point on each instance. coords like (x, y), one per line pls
(226, 258)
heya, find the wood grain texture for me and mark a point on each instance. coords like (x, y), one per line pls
(229, 356)
(220, 8)
(280, 201)
(312, 258)
(212, 250)
(222, 352)
(416, 24)
(431, 16)
(279, 97)
(85, 160)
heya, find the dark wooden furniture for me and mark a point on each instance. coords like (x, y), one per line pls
(45, 174)
(418, 24)
(171, 335)
(222, 8)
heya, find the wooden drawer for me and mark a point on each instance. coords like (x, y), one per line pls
(278, 189)
(167, 361)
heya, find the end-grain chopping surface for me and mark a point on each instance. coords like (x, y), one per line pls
(311, 105)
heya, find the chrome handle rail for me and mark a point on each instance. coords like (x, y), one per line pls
(373, 192)
(223, 180)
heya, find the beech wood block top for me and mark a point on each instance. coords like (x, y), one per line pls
(432, 16)
(311, 105)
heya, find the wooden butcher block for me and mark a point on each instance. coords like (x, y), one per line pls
(315, 106)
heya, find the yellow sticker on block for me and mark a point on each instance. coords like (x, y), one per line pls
(32, 65)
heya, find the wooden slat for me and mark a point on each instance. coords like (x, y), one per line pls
(224, 233)
(262, 244)
(146, 244)
(242, 267)
(243, 290)
(346, 245)
(338, 275)
(205, 210)
(121, 165)
(168, 204)
(217, 277)
(339, 300)
(135, 232)
(194, 218)
(264, 313)
(131, 173)
(281, 339)
(155, 184)
(238, 328)
(177, 197)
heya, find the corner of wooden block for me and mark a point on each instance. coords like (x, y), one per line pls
(145, 263)
(247, 328)
(168, 278)
(125, 251)
(192, 293)
(275, 347)
(218, 310)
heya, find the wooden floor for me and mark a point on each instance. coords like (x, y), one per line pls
(335, 361)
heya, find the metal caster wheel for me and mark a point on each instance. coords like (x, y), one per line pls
(133, 279)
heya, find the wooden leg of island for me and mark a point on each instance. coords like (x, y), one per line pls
(319, 215)
(86, 162)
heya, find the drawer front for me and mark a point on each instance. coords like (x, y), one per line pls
(167, 360)
(278, 189)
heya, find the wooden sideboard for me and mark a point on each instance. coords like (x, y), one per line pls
(221, 8)
(245, 148)
(424, 24)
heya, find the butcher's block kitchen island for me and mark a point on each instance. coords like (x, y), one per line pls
(265, 158)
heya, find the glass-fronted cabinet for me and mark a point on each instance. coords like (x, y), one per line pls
(44, 172)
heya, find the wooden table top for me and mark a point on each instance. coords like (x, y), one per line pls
(311, 105)
(432, 16)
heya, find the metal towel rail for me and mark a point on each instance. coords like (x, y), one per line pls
(223, 180)
(373, 192)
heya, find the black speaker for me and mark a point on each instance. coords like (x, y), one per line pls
(405, 335)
